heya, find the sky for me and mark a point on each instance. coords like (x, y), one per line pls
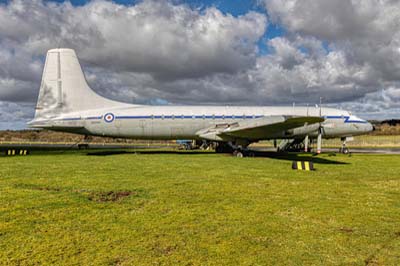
(213, 52)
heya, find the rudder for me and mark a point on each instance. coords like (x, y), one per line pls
(64, 88)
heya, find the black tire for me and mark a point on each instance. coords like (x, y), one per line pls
(238, 154)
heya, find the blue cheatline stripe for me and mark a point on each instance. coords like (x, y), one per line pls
(133, 117)
(172, 117)
(346, 119)
(335, 117)
(188, 117)
(178, 117)
(93, 117)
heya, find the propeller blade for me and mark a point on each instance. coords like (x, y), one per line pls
(319, 142)
(306, 141)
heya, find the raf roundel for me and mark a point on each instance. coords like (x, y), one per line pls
(109, 117)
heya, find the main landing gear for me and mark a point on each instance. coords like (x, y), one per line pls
(243, 153)
(235, 150)
(85, 144)
(344, 149)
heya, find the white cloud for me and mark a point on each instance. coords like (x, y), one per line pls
(344, 51)
(350, 47)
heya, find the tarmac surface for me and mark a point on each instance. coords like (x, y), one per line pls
(69, 146)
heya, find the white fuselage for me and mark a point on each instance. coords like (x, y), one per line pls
(183, 122)
(67, 103)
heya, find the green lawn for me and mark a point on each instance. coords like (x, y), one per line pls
(198, 209)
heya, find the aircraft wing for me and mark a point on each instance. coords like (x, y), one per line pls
(256, 129)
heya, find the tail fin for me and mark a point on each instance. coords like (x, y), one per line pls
(64, 88)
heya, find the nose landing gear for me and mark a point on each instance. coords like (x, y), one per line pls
(344, 149)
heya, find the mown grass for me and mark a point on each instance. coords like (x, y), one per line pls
(198, 209)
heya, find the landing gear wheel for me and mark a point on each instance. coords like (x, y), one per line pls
(238, 154)
(345, 151)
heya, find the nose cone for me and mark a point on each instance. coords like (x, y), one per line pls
(369, 127)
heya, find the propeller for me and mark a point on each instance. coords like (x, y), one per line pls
(319, 140)
(306, 142)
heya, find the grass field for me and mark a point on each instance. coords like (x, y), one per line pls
(160, 208)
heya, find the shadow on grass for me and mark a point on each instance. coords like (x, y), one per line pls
(117, 152)
(297, 157)
(259, 154)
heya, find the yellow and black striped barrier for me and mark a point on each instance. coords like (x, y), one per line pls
(306, 166)
(13, 152)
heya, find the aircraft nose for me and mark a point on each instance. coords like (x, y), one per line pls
(370, 127)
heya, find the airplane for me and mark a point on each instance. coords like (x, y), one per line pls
(66, 103)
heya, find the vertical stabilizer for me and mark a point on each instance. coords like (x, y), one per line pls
(64, 88)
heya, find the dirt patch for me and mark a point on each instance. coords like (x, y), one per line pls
(371, 261)
(347, 230)
(96, 196)
(110, 196)
(117, 261)
(164, 250)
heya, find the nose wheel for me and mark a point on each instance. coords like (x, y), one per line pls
(344, 149)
